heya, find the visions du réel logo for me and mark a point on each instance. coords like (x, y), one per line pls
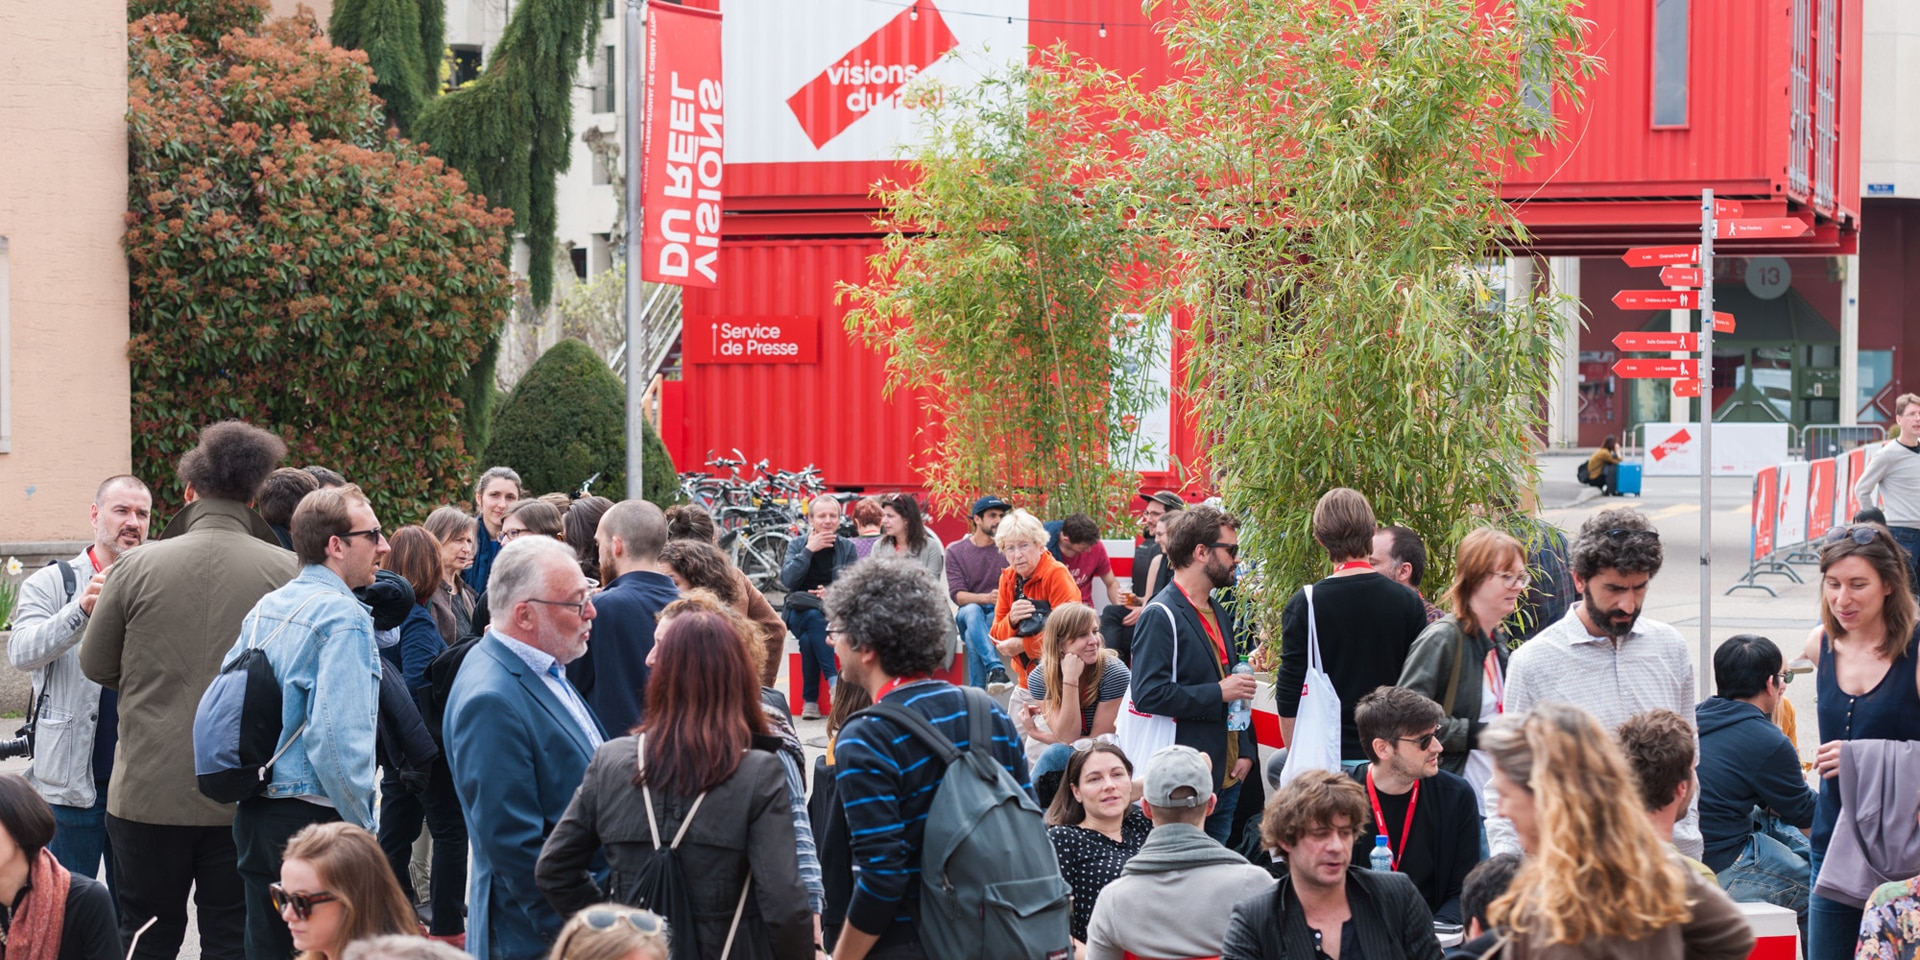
(872, 73)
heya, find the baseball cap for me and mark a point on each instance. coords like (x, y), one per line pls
(990, 502)
(1166, 498)
(1171, 768)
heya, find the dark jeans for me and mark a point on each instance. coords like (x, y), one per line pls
(154, 865)
(401, 814)
(261, 829)
(809, 626)
(80, 838)
(1115, 633)
(1220, 821)
(1909, 540)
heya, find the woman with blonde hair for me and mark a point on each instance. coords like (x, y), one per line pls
(1598, 882)
(612, 931)
(1032, 585)
(336, 888)
(1075, 691)
(1460, 660)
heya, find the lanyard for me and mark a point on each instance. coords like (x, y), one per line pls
(1213, 631)
(1354, 565)
(1413, 802)
(91, 558)
(898, 682)
(1496, 682)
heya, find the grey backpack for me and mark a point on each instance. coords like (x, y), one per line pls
(990, 884)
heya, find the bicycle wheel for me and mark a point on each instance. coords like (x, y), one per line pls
(759, 557)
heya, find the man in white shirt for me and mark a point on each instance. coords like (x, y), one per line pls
(1893, 477)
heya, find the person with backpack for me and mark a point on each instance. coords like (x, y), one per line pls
(934, 787)
(318, 638)
(72, 752)
(696, 825)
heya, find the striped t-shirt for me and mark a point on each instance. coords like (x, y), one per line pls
(1113, 686)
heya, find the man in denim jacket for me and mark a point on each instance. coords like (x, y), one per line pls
(78, 720)
(319, 638)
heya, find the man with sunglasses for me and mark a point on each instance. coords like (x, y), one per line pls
(1430, 817)
(1603, 655)
(1892, 480)
(319, 638)
(1753, 793)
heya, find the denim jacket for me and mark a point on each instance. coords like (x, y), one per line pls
(328, 665)
(47, 628)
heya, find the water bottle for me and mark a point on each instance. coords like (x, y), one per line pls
(1240, 712)
(1381, 859)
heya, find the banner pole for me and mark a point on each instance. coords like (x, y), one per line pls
(1706, 440)
(637, 351)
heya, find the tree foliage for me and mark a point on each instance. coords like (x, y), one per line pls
(205, 20)
(1349, 158)
(565, 422)
(404, 41)
(294, 266)
(1002, 295)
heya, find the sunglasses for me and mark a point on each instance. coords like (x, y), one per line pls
(645, 921)
(372, 534)
(1232, 549)
(1860, 533)
(302, 903)
(1421, 742)
(1620, 533)
(1785, 678)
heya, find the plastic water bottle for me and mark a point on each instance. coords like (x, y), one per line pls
(1240, 712)
(1381, 859)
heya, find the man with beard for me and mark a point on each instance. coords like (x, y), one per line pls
(1603, 655)
(1183, 654)
(612, 673)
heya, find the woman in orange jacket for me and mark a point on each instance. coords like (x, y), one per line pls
(1032, 574)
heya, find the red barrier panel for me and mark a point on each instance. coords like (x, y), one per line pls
(1766, 485)
(1856, 465)
(1820, 498)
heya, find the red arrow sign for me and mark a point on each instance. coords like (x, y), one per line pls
(1722, 322)
(1760, 227)
(1728, 209)
(1648, 341)
(1655, 256)
(1681, 276)
(1686, 388)
(1657, 299)
(1634, 369)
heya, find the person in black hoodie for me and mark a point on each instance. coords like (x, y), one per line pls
(1752, 788)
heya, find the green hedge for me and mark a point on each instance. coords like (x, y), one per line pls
(566, 421)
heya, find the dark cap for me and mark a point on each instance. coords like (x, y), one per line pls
(990, 502)
(1166, 498)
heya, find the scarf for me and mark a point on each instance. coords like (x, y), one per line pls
(41, 914)
(1179, 846)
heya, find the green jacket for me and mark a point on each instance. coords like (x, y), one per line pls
(1431, 663)
(167, 615)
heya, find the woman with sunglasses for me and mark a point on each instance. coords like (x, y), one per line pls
(609, 931)
(689, 778)
(1460, 660)
(1867, 652)
(336, 888)
(1094, 825)
(49, 913)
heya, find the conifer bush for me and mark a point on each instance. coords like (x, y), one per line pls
(565, 421)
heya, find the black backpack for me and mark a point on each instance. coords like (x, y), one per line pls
(236, 728)
(657, 884)
(441, 672)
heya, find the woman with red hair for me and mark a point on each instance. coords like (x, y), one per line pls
(689, 778)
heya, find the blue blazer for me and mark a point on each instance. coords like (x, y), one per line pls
(517, 756)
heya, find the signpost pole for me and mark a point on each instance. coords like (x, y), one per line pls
(637, 374)
(1706, 437)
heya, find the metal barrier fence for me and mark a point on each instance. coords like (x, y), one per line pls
(1820, 440)
(1794, 505)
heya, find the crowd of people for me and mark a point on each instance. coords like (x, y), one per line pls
(577, 702)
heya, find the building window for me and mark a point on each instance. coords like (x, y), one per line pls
(579, 257)
(6, 355)
(1670, 37)
(609, 82)
(466, 65)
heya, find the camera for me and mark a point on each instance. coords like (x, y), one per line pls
(21, 744)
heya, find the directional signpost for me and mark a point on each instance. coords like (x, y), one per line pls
(1649, 368)
(1723, 323)
(1759, 228)
(1656, 341)
(1655, 256)
(1680, 276)
(1657, 299)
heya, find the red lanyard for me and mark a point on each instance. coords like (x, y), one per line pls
(1354, 565)
(1496, 682)
(1406, 829)
(94, 560)
(898, 682)
(1213, 630)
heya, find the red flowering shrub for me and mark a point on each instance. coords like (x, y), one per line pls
(294, 266)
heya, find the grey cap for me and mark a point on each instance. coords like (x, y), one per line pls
(1171, 768)
(1166, 498)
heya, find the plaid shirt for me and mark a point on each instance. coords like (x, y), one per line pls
(1647, 669)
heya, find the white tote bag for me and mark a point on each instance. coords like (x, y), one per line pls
(1140, 734)
(1316, 729)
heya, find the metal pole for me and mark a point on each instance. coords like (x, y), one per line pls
(1706, 438)
(1850, 343)
(637, 374)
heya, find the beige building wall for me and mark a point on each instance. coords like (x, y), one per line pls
(322, 9)
(63, 283)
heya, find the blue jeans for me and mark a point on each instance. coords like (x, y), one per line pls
(1909, 540)
(1772, 868)
(1833, 928)
(974, 620)
(1220, 821)
(809, 625)
(80, 838)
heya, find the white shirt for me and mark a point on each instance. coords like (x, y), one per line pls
(554, 675)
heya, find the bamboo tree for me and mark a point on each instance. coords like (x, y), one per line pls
(1327, 177)
(1001, 296)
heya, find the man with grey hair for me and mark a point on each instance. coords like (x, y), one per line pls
(1174, 897)
(518, 738)
(812, 564)
(612, 674)
(1603, 655)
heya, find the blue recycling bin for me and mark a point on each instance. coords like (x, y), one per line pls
(1626, 478)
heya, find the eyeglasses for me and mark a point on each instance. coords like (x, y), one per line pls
(1232, 549)
(645, 921)
(1515, 579)
(302, 903)
(372, 534)
(579, 606)
(509, 534)
(1620, 533)
(1421, 742)
(1860, 533)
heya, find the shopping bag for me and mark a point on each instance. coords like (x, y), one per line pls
(1316, 729)
(1138, 733)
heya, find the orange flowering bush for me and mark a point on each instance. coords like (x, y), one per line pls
(295, 266)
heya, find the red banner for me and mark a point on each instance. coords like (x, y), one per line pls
(1820, 491)
(680, 183)
(793, 339)
(1766, 486)
(872, 73)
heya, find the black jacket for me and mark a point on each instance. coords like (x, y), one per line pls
(1188, 688)
(1745, 762)
(90, 930)
(1430, 665)
(1456, 847)
(1388, 915)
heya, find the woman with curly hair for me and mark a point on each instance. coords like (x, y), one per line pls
(1597, 882)
(699, 565)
